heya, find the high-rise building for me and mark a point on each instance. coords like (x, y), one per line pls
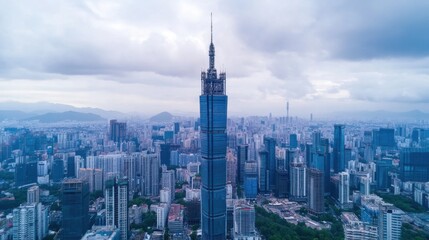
(344, 190)
(315, 191)
(270, 147)
(389, 222)
(150, 174)
(298, 182)
(117, 205)
(168, 180)
(24, 222)
(339, 150)
(75, 207)
(293, 140)
(242, 158)
(244, 222)
(382, 177)
(213, 119)
(414, 165)
(165, 154)
(282, 183)
(94, 177)
(176, 127)
(57, 172)
(264, 172)
(33, 195)
(117, 131)
(250, 180)
(30, 221)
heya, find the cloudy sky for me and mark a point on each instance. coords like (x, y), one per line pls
(146, 56)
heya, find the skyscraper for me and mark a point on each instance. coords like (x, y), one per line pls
(117, 131)
(117, 205)
(213, 112)
(75, 200)
(339, 151)
(270, 147)
(242, 158)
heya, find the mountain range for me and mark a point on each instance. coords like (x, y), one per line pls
(19, 110)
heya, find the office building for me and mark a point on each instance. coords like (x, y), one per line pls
(250, 180)
(244, 222)
(165, 154)
(149, 170)
(315, 191)
(116, 196)
(57, 172)
(339, 150)
(213, 116)
(382, 169)
(75, 207)
(293, 140)
(282, 183)
(242, 158)
(270, 148)
(298, 182)
(264, 172)
(414, 165)
(117, 131)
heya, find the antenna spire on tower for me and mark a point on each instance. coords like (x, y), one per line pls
(211, 27)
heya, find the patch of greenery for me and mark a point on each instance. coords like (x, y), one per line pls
(97, 194)
(411, 232)
(7, 176)
(139, 201)
(404, 203)
(272, 227)
(181, 194)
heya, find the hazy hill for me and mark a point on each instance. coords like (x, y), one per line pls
(162, 117)
(66, 116)
(46, 107)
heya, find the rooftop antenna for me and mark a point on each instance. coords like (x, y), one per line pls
(211, 26)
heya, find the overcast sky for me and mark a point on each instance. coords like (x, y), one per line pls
(146, 56)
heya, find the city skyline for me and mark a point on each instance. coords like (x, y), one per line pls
(146, 57)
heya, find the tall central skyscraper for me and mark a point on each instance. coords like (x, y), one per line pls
(213, 109)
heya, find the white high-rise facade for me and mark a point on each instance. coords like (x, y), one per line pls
(117, 205)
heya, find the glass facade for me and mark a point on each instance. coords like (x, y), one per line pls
(339, 153)
(414, 165)
(213, 120)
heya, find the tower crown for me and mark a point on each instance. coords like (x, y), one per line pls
(210, 83)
